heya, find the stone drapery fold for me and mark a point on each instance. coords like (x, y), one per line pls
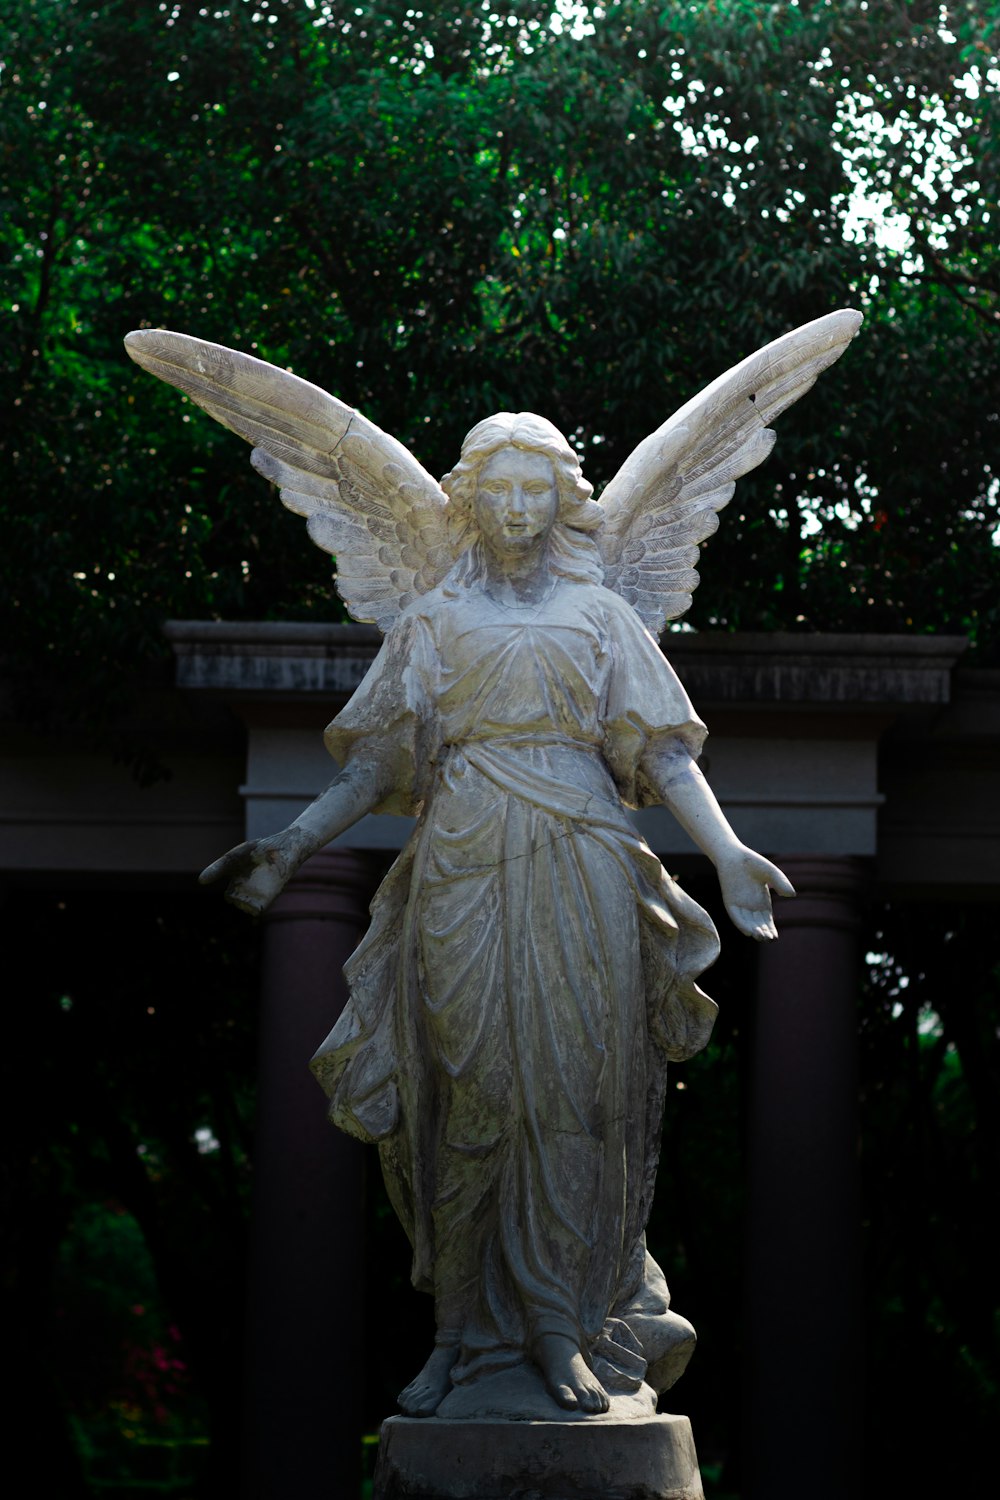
(530, 967)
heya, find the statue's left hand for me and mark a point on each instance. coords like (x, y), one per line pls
(747, 880)
(259, 870)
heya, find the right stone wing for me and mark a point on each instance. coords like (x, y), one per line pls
(665, 499)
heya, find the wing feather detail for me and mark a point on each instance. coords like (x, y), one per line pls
(364, 496)
(664, 501)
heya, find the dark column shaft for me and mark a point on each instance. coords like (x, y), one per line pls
(304, 1377)
(802, 1398)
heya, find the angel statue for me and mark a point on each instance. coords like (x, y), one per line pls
(530, 968)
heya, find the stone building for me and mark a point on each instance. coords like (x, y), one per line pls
(865, 765)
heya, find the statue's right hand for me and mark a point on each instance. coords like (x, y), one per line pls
(257, 871)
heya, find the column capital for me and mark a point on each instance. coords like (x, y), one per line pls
(829, 889)
(335, 885)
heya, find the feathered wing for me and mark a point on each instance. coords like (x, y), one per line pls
(365, 497)
(664, 501)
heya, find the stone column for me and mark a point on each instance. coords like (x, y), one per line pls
(803, 1350)
(305, 1336)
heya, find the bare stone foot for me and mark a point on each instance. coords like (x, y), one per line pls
(426, 1391)
(567, 1377)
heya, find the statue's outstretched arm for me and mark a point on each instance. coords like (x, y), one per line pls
(259, 870)
(746, 878)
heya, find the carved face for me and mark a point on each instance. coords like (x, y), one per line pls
(516, 502)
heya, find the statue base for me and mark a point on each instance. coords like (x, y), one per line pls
(600, 1458)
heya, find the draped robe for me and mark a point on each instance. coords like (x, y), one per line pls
(530, 966)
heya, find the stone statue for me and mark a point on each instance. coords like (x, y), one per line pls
(530, 968)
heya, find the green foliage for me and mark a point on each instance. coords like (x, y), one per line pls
(121, 1360)
(929, 1046)
(127, 1097)
(438, 213)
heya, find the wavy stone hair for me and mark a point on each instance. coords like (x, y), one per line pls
(572, 553)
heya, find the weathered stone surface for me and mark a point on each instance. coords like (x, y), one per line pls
(652, 1458)
(519, 1395)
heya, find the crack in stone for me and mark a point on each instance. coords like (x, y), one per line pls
(549, 843)
(343, 435)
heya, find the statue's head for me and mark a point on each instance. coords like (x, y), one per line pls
(530, 434)
(482, 469)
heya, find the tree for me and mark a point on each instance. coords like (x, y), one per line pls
(437, 214)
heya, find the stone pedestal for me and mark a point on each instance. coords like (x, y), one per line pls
(652, 1458)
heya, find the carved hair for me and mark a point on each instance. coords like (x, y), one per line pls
(572, 553)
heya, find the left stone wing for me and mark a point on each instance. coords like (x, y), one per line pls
(664, 500)
(365, 497)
